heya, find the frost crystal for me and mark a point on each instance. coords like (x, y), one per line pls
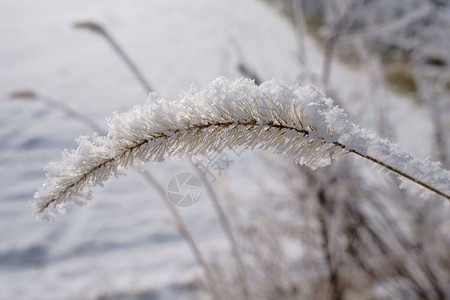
(298, 122)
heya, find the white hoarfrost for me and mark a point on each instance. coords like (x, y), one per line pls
(299, 122)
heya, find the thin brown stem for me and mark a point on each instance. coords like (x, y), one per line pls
(182, 228)
(333, 274)
(214, 199)
(397, 171)
(127, 150)
(180, 225)
(97, 28)
(223, 219)
(338, 29)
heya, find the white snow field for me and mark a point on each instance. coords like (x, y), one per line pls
(123, 243)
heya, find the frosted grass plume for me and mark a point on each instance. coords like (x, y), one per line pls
(294, 121)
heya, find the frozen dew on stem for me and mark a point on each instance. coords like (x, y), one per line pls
(294, 121)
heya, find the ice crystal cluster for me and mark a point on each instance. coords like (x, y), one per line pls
(298, 122)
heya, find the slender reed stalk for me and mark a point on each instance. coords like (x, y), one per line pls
(182, 228)
(60, 105)
(244, 69)
(97, 28)
(341, 25)
(91, 124)
(300, 123)
(223, 219)
(399, 172)
(323, 216)
(300, 28)
(401, 22)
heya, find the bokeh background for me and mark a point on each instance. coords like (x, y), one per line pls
(345, 232)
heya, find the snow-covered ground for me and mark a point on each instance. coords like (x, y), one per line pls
(123, 242)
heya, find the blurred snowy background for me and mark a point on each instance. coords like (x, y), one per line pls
(345, 232)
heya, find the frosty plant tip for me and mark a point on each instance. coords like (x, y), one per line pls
(298, 122)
